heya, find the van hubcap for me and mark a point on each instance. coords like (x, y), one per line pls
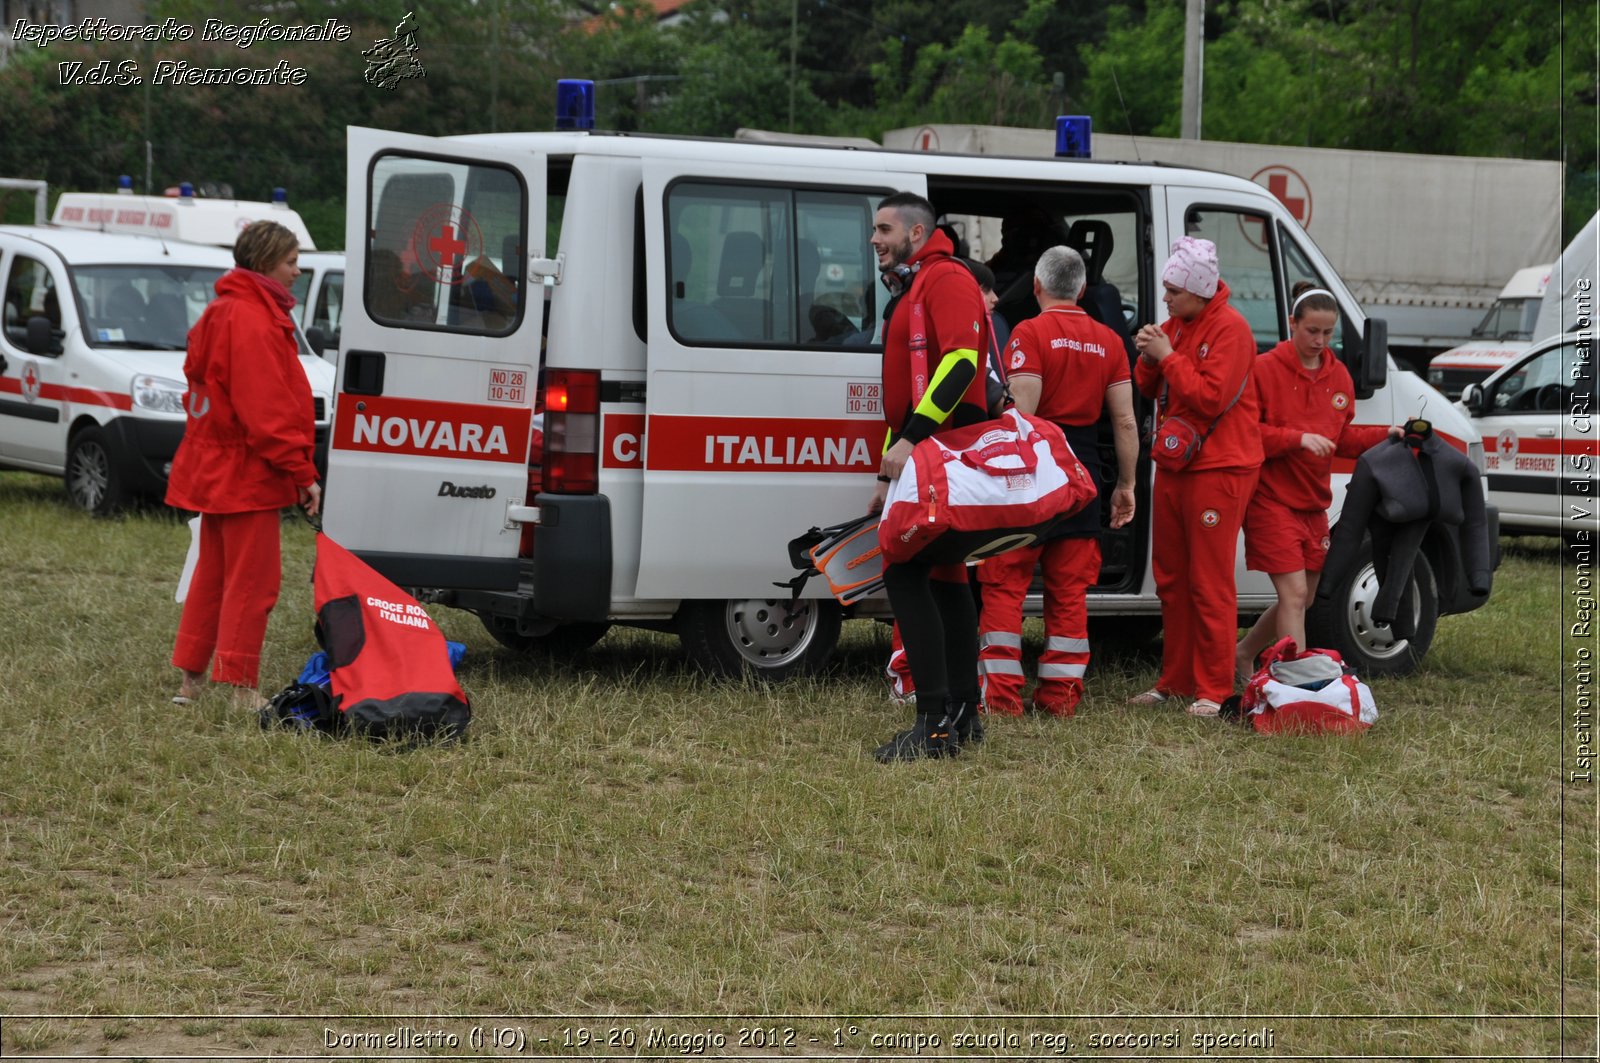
(1377, 640)
(768, 632)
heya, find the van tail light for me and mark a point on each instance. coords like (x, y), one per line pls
(572, 431)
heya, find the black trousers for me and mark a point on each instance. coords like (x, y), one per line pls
(939, 629)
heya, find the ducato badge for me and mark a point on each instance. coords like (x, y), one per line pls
(450, 490)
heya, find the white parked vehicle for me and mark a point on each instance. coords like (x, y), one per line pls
(93, 344)
(1503, 334)
(319, 300)
(695, 321)
(1538, 417)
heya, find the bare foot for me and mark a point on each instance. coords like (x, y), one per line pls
(193, 684)
(246, 699)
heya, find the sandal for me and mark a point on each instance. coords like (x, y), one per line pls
(1204, 707)
(1149, 697)
(180, 699)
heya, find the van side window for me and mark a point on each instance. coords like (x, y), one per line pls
(756, 266)
(445, 245)
(1552, 382)
(1296, 268)
(330, 303)
(1244, 253)
(30, 292)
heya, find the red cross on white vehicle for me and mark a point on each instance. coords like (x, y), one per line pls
(30, 381)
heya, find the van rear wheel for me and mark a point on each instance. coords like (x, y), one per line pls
(93, 482)
(764, 637)
(1344, 621)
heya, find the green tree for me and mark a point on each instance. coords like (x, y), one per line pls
(975, 78)
(1132, 82)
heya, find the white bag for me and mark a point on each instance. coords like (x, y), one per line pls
(189, 561)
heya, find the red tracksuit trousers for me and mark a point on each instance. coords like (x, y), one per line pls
(234, 587)
(1071, 567)
(1196, 521)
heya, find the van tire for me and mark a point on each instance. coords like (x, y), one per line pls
(761, 637)
(562, 641)
(1342, 622)
(93, 481)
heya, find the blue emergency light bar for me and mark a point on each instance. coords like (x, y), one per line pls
(1072, 136)
(574, 104)
(124, 185)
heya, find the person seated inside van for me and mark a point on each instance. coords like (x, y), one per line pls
(1025, 233)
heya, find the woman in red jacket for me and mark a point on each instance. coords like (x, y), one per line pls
(246, 453)
(1196, 366)
(1307, 401)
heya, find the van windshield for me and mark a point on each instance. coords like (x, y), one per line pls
(149, 307)
(1508, 319)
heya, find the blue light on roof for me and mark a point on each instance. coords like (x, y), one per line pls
(1072, 136)
(574, 104)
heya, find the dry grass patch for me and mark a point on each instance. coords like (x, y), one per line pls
(621, 835)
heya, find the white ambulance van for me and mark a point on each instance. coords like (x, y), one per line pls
(97, 310)
(1538, 417)
(694, 321)
(1503, 334)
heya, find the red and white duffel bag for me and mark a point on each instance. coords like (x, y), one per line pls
(979, 491)
(1306, 693)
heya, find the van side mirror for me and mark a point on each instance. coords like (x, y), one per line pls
(317, 339)
(1372, 367)
(42, 338)
(1472, 399)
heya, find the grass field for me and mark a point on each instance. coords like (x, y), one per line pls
(623, 840)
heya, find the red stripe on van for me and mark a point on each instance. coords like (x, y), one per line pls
(461, 430)
(763, 444)
(624, 446)
(63, 393)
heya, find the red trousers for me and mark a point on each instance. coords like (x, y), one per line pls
(234, 587)
(1195, 534)
(898, 670)
(1071, 567)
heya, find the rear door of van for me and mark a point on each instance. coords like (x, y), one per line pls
(763, 410)
(439, 358)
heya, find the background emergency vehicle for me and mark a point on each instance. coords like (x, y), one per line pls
(1540, 421)
(1503, 333)
(696, 319)
(97, 310)
(319, 300)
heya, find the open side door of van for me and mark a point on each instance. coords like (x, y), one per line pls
(439, 360)
(763, 371)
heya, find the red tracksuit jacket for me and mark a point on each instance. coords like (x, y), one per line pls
(248, 441)
(952, 317)
(1211, 358)
(1294, 400)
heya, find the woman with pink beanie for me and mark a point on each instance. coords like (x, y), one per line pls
(1196, 366)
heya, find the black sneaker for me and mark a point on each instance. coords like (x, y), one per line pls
(968, 721)
(927, 737)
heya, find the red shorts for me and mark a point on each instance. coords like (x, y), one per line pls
(1278, 539)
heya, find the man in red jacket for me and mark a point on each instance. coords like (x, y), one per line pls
(246, 453)
(1065, 367)
(1196, 365)
(934, 372)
